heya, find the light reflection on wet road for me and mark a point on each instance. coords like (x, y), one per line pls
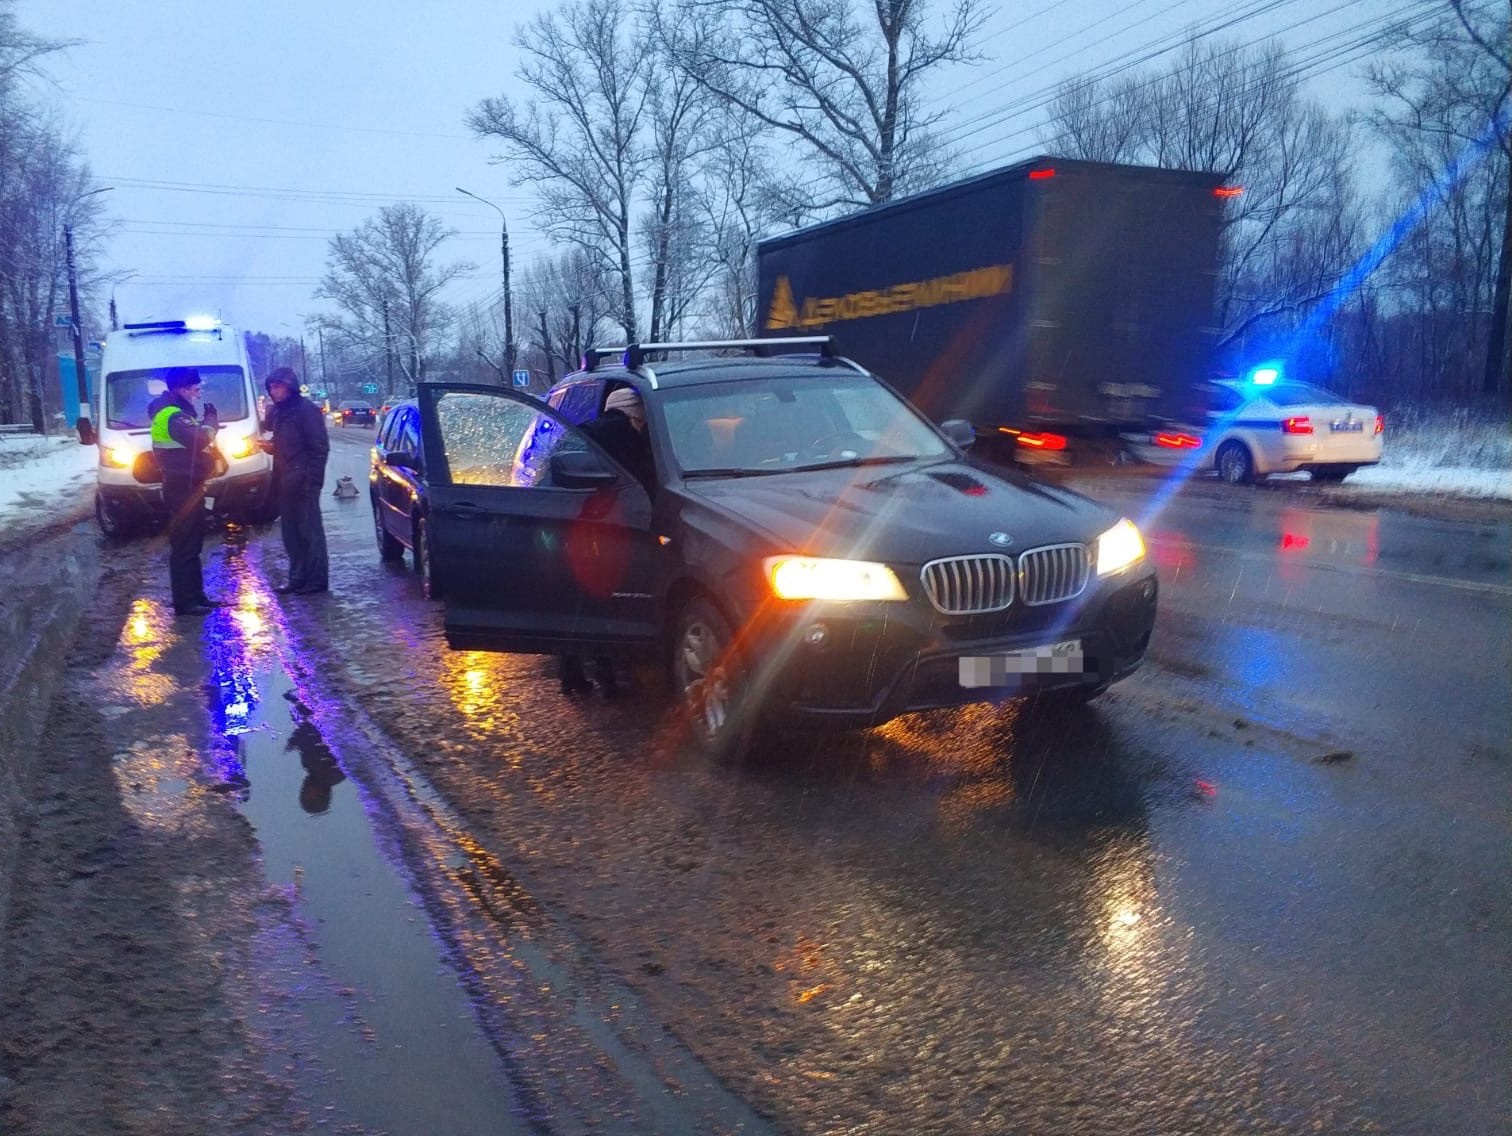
(1260, 888)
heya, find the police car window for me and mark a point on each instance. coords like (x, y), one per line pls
(1301, 394)
(128, 394)
(579, 402)
(489, 440)
(1222, 400)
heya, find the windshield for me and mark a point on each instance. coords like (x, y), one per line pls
(128, 393)
(793, 423)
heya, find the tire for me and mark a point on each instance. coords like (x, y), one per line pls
(1332, 473)
(711, 683)
(1234, 463)
(425, 562)
(112, 528)
(388, 547)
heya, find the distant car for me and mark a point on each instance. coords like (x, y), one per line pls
(1250, 429)
(811, 551)
(399, 495)
(356, 414)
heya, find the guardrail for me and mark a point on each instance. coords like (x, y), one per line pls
(16, 428)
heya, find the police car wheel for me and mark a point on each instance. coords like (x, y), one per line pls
(1235, 465)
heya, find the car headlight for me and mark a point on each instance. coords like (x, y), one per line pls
(240, 447)
(119, 457)
(1119, 547)
(811, 578)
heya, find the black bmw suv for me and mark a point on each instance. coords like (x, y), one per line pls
(812, 551)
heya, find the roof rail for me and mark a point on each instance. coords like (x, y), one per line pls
(635, 353)
(593, 356)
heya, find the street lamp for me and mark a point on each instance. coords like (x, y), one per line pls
(509, 340)
(85, 428)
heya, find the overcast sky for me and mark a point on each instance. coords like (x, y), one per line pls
(240, 135)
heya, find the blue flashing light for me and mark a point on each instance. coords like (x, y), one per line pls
(201, 323)
(1266, 374)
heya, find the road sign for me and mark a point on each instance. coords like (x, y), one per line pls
(62, 319)
(522, 378)
(369, 388)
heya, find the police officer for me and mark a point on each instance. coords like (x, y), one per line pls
(300, 446)
(182, 443)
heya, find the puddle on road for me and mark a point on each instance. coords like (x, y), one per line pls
(390, 1020)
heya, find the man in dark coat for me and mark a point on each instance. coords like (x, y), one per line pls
(621, 431)
(300, 447)
(181, 444)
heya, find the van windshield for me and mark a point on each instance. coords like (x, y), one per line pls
(128, 393)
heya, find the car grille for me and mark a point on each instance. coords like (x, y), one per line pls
(1050, 575)
(969, 585)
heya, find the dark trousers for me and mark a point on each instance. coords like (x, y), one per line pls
(185, 501)
(304, 535)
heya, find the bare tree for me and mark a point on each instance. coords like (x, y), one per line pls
(578, 142)
(1238, 111)
(572, 302)
(842, 79)
(1444, 111)
(384, 279)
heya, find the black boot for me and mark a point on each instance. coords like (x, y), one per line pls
(574, 680)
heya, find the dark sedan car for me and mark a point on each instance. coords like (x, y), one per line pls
(813, 551)
(356, 414)
(398, 493)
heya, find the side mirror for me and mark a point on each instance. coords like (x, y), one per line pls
(401, 459)
(87, 436)
(959, 431)
(580, 469)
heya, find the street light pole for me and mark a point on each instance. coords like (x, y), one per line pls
(509, 340)
(82, 423)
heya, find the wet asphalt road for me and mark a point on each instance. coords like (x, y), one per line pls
(1260, 888)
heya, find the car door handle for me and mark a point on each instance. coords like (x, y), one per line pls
(466, 511)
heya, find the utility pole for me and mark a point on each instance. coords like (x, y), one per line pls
(509, 339)
(388, 357)
(325, 381)
(82, 423)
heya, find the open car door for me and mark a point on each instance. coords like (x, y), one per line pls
(541, 544)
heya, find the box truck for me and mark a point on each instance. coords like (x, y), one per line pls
(1051, 303)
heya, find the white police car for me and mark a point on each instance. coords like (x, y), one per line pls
(1266, 424)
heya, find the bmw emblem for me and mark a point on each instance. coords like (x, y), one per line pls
(1001, 539)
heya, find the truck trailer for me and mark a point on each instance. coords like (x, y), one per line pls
(1050, 303)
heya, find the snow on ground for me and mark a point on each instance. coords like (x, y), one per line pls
(39, 476)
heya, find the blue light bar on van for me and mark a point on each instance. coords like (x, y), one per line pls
(1266, 374)
(201, 323)
(193, 323)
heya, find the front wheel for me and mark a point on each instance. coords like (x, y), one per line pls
(112, 528)
(425, 560)
(711, 683)
(1235, 465)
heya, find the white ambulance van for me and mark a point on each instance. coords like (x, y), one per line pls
(129, 489)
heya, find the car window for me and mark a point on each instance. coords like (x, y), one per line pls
(1301, 394)
(1223, 400)
(578, 402)
(387, 429)
(409, 430)
(127, 394)
(489, 440)
(794, 421)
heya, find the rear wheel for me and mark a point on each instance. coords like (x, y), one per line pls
(1333, 473)
(388, 547)
(1234, 463)
(425, 561)
(711, 683)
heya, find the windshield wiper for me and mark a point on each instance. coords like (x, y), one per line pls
(843, 463)
(730, 471)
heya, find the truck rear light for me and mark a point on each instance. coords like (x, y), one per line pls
(1302, 425)
(1229, 191)
(1178, 441)
(1042, 175)
(1380, 424)
(1042, 441)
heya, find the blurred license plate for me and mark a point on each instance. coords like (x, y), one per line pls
(1064, 657)
(1349, 427)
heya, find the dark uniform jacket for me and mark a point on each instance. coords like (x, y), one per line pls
(301, 443)
(184, 451)
(614, 431)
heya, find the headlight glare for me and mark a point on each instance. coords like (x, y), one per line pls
(817, 578)
(1119, 547)
(240, 447)
(120, 457)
